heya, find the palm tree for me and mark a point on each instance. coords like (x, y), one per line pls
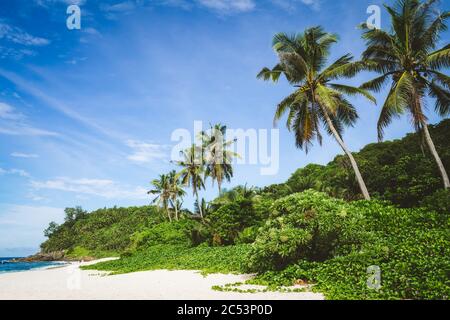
(202, 207)
(193, 169)
(162, 190)
(408, 57)
(177, 205)
(176, 191)
(217, 156)
(317, 99)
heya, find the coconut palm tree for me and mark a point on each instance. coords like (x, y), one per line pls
(176, 191)
(317, 99)
(177, 205)
(202, 207)
(192, 171)
(217, 156)
(408, 57)
(162, 190)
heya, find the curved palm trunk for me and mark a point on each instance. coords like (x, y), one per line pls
(438, 160)
(358, 175)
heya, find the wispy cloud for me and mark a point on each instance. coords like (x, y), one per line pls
(8, 112)
(56, 104)
(13, 123)
(19, 36)
(24, 155)
(144, 152)
(46, 3)
(221, 6)
(112, 11)
(95, 187)
(25, 130)
(291, 5)
(226, 6)
(18, 172)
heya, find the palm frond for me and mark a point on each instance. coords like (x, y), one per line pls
(442, 97)
(352, 91)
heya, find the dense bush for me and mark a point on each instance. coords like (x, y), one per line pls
(173, 233)
(438, 201)
(308, 225)
(230, 219)
(411, 247)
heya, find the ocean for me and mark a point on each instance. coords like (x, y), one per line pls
(7, 266)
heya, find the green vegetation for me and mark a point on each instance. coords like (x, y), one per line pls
(399, 171)
(331, 243)
(314, 229)
(208, 259)
(102, 232)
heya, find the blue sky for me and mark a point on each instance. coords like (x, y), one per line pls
(86, 115)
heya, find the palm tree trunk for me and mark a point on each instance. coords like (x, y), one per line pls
(176, 211)
(166, 207)
(358, 175)
(199, 206)
(436, 157)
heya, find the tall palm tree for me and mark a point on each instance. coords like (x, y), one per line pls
(408, 56)
(162, 190)
(176, 191)
(317, 99)
(217, 156)
(192, 171)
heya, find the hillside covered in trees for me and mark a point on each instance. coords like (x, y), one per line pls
(314, 228)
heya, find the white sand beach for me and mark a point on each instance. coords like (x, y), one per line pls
(69, 282)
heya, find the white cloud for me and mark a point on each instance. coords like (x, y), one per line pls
(13, 123)
(8, 112)
(222, 6)
(228, 5)
(19, 172)
(144, 152)
(26, 130)
(290, 5)
(19, 36)
(46, 3)
(24, 155)
(124, 6)
(95, 187)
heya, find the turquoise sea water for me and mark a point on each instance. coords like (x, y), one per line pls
(7, 266)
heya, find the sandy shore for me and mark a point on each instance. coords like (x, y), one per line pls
(69, 282)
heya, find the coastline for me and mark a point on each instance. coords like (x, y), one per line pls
(72, 283)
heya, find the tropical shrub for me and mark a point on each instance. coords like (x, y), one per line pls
(410, 246)
(173, 233)
(229, 220)
(438, 201)
(308, 225)
(248, 235)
